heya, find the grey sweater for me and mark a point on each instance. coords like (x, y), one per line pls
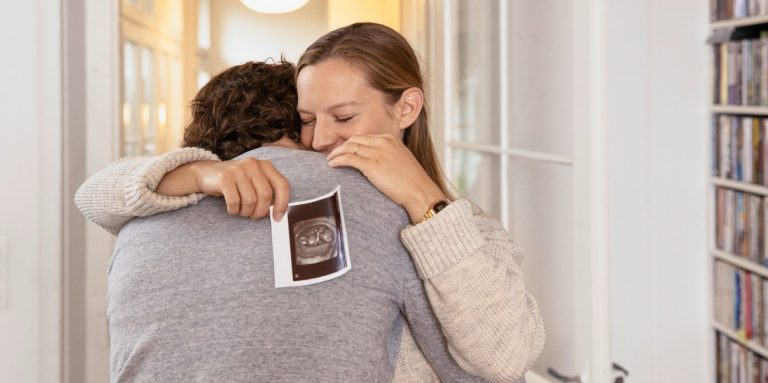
(468, 263)
(191, 294)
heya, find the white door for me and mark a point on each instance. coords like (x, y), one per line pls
(519, 99)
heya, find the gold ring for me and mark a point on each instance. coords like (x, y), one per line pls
(355, 152)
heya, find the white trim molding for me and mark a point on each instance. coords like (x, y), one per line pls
(49, 79)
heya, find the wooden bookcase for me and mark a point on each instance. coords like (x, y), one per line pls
(726, 28)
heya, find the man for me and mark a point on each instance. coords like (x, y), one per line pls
(191, 294)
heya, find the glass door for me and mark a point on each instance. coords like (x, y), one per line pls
(510, 116)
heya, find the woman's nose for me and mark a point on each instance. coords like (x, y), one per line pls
(324, 139)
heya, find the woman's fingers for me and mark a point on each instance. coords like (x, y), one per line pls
(228, 189)
(264, 192)
(249, 186)
(351, 160)
(362, 146)
(249, 198)
(281, 190)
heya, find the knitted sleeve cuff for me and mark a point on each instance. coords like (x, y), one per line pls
(140, 196)
(443, 240)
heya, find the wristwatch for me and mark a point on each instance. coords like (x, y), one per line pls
(434, 209)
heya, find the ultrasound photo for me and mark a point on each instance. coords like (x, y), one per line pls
(310, 244)
(315, 240)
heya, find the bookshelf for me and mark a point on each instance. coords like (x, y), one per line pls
(739, 189)
(753, 346)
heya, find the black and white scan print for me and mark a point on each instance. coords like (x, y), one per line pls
(316, 240)
(317, 245)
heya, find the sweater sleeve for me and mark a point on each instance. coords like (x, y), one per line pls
(471, 272)
(126, 189)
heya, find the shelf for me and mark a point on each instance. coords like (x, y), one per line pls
(740, 22)
(750, 344)
(739, 185)
(741, 262)
(737, 109)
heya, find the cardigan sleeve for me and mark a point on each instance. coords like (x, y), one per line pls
(126, 189)
(471, 271)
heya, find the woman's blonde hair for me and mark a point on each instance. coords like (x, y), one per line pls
(391, 67)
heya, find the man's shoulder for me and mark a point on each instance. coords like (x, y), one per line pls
(286, 157)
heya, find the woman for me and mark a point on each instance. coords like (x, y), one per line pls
(361, 101)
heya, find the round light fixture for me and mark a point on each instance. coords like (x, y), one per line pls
(274, 6)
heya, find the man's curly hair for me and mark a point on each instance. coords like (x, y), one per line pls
(244, 107)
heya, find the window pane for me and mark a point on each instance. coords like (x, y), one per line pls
(476, 176)
(477, 86)
(202, 78)
(204, 24)
(149, 6)
(177, 105)
(163, 88)
(130, 129)
(541, 73)
(541, 220)
(148, 106)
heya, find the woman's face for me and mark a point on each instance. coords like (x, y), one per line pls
(336, 102)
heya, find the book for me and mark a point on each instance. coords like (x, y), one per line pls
(734, 9)
(741, 71)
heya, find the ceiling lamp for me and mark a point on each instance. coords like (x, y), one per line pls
(274, 6)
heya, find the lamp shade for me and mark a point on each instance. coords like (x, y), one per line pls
(274, 6)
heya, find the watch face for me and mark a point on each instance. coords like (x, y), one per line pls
(440, 206)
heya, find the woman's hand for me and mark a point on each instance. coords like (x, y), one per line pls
(392, 168)
(249, 186)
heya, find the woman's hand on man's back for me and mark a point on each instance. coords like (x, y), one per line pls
(249, 186)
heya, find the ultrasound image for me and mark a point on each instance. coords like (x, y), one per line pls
(316, 240)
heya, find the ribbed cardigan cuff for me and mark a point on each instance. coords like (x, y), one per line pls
(443, 240)
(140, 195)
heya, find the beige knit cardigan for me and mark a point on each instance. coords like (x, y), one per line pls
(469, 264)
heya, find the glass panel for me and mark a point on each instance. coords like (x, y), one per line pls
(130, 110)
(177, 106)
(541, 72)
(149, 6)
(172, 21)
(204, 24)
(163, 85)
(148, 106)
(202, 78)
(477, 86)
(476, 176)
(541, 220)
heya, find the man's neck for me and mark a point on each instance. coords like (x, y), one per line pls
(285, 142)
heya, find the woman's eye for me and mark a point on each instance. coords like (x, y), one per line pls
(307, 122)
(344, 119)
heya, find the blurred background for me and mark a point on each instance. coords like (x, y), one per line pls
(583, 125)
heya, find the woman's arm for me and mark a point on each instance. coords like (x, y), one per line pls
(126, 189)
(143, 186)
(469, 264)
(471, 272)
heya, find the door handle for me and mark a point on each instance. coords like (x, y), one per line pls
(563, 378)
(623, 371)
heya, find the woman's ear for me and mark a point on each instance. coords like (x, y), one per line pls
(410, 105)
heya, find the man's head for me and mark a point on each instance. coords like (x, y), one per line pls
(243, 108)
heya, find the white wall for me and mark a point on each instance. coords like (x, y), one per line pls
(239, 34)
(30, 144)
(657, 127)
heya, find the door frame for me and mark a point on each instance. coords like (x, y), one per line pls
(91, 141)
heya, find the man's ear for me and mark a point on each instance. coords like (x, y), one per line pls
(410, 104)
